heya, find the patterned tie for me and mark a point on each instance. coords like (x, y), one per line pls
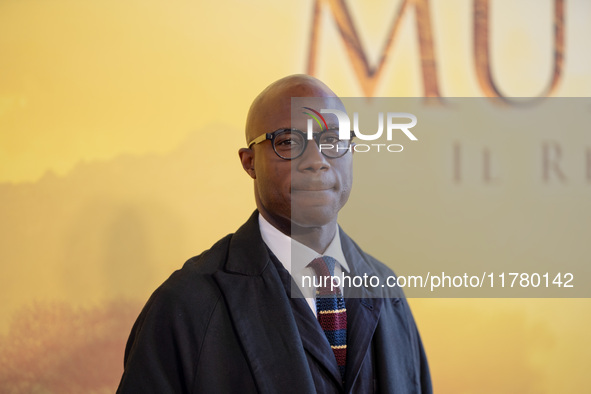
(330, 307)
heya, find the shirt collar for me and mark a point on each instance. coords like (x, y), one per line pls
(294, 255)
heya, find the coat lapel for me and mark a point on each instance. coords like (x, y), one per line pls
(313, 338)
(275, 334)
(261, 314)
(363, 312)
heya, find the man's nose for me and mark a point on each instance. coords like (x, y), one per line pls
(312, 159)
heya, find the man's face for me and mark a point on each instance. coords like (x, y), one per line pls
(305, 192)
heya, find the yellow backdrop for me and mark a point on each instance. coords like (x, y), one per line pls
(120, 123)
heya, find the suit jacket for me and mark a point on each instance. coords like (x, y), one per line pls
(225, 323)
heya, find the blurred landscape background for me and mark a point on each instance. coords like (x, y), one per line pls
(120, 124)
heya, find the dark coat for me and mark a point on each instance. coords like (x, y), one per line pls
(225, 324)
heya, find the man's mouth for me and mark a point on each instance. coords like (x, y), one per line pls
(311, 189)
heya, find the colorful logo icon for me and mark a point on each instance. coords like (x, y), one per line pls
(316, 115)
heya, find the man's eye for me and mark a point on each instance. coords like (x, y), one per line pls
(287, 142)
(330, 138)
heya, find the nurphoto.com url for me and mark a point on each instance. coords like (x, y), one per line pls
(433, 282)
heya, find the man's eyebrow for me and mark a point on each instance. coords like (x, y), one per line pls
(332, 126)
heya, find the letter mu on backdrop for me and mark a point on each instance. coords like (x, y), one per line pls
(369, 76)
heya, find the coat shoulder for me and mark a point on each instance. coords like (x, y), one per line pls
(373, 267)
(194, 280)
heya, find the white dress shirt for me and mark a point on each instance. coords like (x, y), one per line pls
(296, 256)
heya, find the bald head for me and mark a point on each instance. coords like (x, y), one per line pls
(275, 101)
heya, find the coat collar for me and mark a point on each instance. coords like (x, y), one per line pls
(260, 310)
(247, 253)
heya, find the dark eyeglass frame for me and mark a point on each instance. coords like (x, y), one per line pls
(272, 136)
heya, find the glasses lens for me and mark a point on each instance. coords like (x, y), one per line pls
(289, 144)
(332, 146)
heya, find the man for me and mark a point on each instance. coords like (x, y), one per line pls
(230, 321)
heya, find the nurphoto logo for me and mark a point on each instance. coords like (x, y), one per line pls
(345, 131)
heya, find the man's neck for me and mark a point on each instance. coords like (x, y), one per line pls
(317, 238)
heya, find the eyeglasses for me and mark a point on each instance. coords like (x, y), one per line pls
(290, 144)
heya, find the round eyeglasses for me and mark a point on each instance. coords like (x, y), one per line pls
(290, 144)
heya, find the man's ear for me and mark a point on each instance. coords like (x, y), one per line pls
(247, 159)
